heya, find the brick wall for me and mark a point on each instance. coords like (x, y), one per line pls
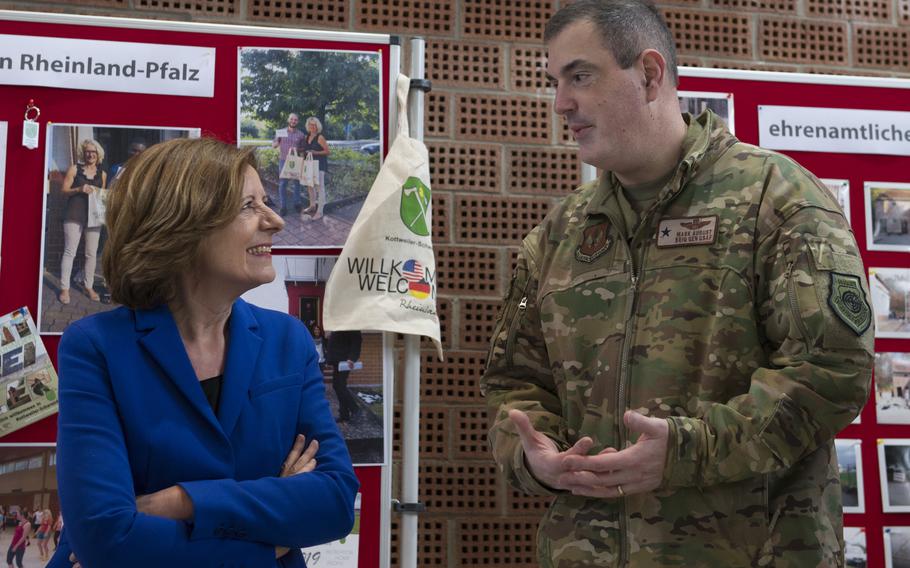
(500, 158)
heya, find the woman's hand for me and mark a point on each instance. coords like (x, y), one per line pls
(300, 460)
(86, 188)
(171, 503)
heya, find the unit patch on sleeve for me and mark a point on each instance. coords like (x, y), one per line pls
(848, 300)
(687, 231)
(594, 242)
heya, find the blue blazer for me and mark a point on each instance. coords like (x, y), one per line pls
(134, 420)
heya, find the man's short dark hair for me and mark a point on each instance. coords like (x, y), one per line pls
(627, 27)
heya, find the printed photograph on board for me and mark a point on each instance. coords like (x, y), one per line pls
(897, 547)
(840, 189)
(696, 102)
(850, 468)
(30, 517)
(894, 474)
(351, 361)
(892, 388)
(81, 167)
(890, 289)
(887, 216)
(315, 119)
(27, 376)
(341, 553)
(855, 547)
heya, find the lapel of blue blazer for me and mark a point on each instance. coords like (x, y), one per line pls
(242, 357)
(163, 343)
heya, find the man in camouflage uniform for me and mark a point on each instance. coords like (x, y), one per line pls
(682, 338)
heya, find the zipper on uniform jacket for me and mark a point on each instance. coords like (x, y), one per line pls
(513, 327)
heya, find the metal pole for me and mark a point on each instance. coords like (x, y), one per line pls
(410, 419)
(588, 173)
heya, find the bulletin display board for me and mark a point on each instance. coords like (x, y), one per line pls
(215, 116)
(749, 90)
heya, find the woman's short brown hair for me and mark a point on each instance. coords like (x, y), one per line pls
(166, 201)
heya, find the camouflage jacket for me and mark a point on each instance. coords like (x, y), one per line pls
(739, 311)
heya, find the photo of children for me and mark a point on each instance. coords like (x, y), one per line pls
(315, 119)
(82, 164)
(30, 518)
(351, 361)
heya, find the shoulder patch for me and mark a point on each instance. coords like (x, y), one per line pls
(595, 241)
(848, 300)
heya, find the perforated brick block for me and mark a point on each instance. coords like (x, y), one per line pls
(513, 260)
(436, 114)
(431, 542)
(455, 380)
(464, 64)
(481, 542)
(845, 72)
(903, 11)
(468, 271)
(502, 118)
(444, 311)
(803, 41)
(310, 13)
(724, 34)
(776, 6)
(433, 432)
(511, 20)
(195, 7)
(459, 487)
(882, 47)
(416, 16)
(477, 322)
(466, 167)
(442, 216)
(523, 504)
(852, 9)
(69, 9)
(497, 220)
(470, 433)
(551, 171)
(528, 65)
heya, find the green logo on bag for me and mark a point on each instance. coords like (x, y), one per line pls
(848, 300)
(415, 206)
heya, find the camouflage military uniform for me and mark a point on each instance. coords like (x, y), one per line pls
(739, 311)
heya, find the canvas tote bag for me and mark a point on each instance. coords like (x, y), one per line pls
(310, 175)
(293, 166)
(385, 278)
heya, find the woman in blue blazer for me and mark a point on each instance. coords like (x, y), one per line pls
(194, 429)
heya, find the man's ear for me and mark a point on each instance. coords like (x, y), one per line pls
(654, 68)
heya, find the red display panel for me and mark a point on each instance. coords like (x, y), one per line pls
(217, 116)
(748, 94)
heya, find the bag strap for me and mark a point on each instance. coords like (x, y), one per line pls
(404, 85)
(293, 150)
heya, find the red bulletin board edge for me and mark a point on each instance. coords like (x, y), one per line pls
(751, 88)
(215, 115)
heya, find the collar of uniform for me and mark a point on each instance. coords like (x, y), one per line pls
(701, 131)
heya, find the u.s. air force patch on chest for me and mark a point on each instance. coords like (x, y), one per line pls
(848, 300)
(687, 232)
(595, 242)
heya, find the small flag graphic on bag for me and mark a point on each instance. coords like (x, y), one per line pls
(417, 283)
